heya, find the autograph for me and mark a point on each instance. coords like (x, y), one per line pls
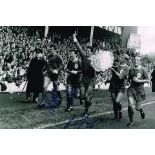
(85, 121)
(47, 101)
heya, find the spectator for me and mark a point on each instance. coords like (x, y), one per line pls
(17, 46)
(153, 79)
(35, 77)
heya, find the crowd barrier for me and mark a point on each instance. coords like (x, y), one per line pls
(12, 88)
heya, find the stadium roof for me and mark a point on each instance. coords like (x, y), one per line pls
(114, 29)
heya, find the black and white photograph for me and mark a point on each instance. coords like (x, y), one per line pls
(77, 77)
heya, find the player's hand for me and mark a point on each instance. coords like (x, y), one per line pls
(74, 37)
(74, 72)
(122, 73)
(55, 71)
(135, 79)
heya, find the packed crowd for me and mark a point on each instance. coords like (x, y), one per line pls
(17, 49)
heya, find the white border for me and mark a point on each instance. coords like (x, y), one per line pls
(81, 12)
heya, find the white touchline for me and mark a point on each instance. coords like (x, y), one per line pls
(91, 116)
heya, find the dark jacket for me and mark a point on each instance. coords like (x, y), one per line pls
(35, 75)
(153, 80)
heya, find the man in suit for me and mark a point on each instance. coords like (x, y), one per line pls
(35, 77)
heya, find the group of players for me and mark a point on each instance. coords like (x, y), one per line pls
(81, 76)
(136, 76)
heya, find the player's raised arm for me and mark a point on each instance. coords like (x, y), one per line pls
(78, 45)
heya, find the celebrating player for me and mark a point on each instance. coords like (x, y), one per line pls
(88, 76)
(137, 76)
(73, 79)
(54, 66)
(117, 86)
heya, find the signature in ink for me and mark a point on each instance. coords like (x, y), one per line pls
(47, 101)
(85, 121)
